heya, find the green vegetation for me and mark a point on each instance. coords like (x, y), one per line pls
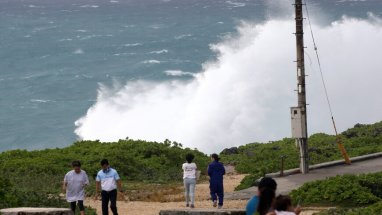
(361, 194)
(371, 209)
(257, 159)
(346, 190)
(151, 171)
(34, 178)
(13, 196)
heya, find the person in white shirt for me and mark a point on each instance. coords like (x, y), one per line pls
(74, 184)
(189, 179)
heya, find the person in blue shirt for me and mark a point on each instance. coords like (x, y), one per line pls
(216, 171)
(262, 202)
(108, 180)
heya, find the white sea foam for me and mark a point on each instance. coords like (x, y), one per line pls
(159, 51)
(178, 73)
(78, 51)
(124, 53)
(113, 1)
(89, 6)
(65, 39)
(129, 26)
(151, 62)
(40, 100)
(236, 4)
(245, 94)
(132, 44)
(182, 36)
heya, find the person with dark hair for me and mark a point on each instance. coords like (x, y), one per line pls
(108, 180)
(262, 201)
(189, 179)
(266, 198)
(283, 206)
(74, 184)
(216, 171)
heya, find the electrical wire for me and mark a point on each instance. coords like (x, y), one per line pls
(318, 60)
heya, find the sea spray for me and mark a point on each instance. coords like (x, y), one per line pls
(245, 94)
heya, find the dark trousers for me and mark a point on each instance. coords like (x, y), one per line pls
(106, 197)
(80, 204)
(217, 192)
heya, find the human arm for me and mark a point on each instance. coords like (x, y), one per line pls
(252, 204)
(118, 180)
(64, 186)
(119, 185)
(297, 210)
(98, 186)
(86, 180)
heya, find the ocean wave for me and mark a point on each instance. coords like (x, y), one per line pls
(151, 62)
(113, 1)
(65, 39)
(178, 73)
(236, 4)
(182, 36)
(78, 51)
(89, 6)
(40, 100)
(244, 95)
(132, 44)
(129, 26)
(159, 51)
(124, 53)
(34, 6)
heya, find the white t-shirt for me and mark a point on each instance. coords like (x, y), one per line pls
(189, 170)
(75, 185)
(284, 213)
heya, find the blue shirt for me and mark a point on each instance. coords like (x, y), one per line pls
(216, 171)
(108, 179)
(252, 204)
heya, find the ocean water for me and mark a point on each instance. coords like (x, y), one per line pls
(99, 69)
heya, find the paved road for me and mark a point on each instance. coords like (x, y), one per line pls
(288, 183)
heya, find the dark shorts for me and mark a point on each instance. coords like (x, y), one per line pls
(80, 205)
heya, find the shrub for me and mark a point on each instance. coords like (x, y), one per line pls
(346, 190)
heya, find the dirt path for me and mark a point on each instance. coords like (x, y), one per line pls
(201, 197)
(201, 200)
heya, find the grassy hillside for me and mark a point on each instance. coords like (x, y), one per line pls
(257, 159)
(138, 162)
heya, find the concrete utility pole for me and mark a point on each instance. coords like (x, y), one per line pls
(299, 118)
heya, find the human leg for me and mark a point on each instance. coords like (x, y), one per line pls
(73, 206)
(113, 201)
(186, 191)
(105, 202)
(192, 191)
(220, 194)
(81, 207)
